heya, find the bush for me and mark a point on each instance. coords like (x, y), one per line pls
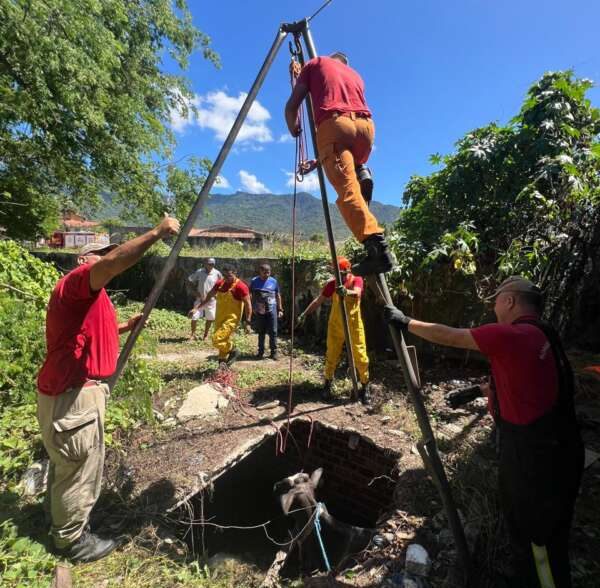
(23, 562)
(25, 286)
(520, 198)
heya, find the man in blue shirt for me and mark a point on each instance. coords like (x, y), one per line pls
(266, 308)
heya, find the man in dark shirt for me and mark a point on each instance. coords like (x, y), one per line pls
(266, 308)
(345, 135)
(541, 453)
(82, 340)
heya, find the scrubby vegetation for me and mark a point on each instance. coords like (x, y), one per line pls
(25, 285)
(516, 198)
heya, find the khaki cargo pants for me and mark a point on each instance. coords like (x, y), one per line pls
(72, 426)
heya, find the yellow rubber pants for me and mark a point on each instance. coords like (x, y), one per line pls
(335, 338)
(229, 314)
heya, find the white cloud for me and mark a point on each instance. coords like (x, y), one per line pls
(216, 111)
(251, 184)
(310, 183)
(286, 138)
(222, 182)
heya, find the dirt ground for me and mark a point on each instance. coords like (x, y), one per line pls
(162, 465)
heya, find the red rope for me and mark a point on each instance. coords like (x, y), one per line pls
(299, 158)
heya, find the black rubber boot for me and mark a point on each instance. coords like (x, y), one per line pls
(379, 259)
(89, 547)
(364, 394)
(274, 355)
(234, 355)
(326, 390)
(365, 179)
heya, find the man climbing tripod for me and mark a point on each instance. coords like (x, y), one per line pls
(345, 134)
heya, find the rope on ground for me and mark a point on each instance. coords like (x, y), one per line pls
(206, 523)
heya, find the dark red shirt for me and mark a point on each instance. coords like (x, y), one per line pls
(350, 283)
(333, 86)
(523, 367)
(239, 290)
(82, 334)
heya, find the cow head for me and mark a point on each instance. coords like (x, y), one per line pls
(298, 490)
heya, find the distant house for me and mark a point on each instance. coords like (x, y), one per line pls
(226, 234)
(75, 222)
(76, 231)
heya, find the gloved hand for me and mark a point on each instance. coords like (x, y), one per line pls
(396, 317)
(300, 320)
(341, 291)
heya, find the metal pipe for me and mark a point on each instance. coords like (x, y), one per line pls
(310, 47)
(427, 446)
(197, 208)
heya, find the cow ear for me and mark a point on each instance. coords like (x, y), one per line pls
(286, 502)
(315, 477)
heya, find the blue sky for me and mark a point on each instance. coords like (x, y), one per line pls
(433, 70)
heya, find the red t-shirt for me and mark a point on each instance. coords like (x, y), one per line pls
(333, 86)
(350, 283)
(239, 290)
(82, 334)
(523, 367)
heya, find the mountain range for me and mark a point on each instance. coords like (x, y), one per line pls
(273, 213)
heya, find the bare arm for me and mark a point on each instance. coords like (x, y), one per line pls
(124, 256)
(248, 308)
(291, 108)
(279, 303)
(314, 304)
(443, 335)
(354, 292)
(129, 324)
(209, 297)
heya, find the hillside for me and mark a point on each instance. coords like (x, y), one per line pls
(273, 213)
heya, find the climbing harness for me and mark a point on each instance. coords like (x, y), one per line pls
(319, 536)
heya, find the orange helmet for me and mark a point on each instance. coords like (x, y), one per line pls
(343, 263)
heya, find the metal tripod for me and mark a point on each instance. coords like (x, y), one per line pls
(427, 446)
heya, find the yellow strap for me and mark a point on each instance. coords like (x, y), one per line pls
(542, 565)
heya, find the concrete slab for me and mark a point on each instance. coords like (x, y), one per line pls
(202, 401)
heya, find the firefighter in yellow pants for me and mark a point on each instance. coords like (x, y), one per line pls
(351, 291)
(233, 297)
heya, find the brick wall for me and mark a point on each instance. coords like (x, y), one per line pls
(350, 463)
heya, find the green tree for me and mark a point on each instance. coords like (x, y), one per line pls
(84, 103)
(520, 198)
(183, 185)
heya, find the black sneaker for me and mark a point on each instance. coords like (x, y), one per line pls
(326, 391)
(379, 259)
(364, 395)
(274, 355)
(365, 179)
(234, 355)
(89, 547)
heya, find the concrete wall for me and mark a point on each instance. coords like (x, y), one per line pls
(137, 282)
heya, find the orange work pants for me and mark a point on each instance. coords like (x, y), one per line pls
(343, 143)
